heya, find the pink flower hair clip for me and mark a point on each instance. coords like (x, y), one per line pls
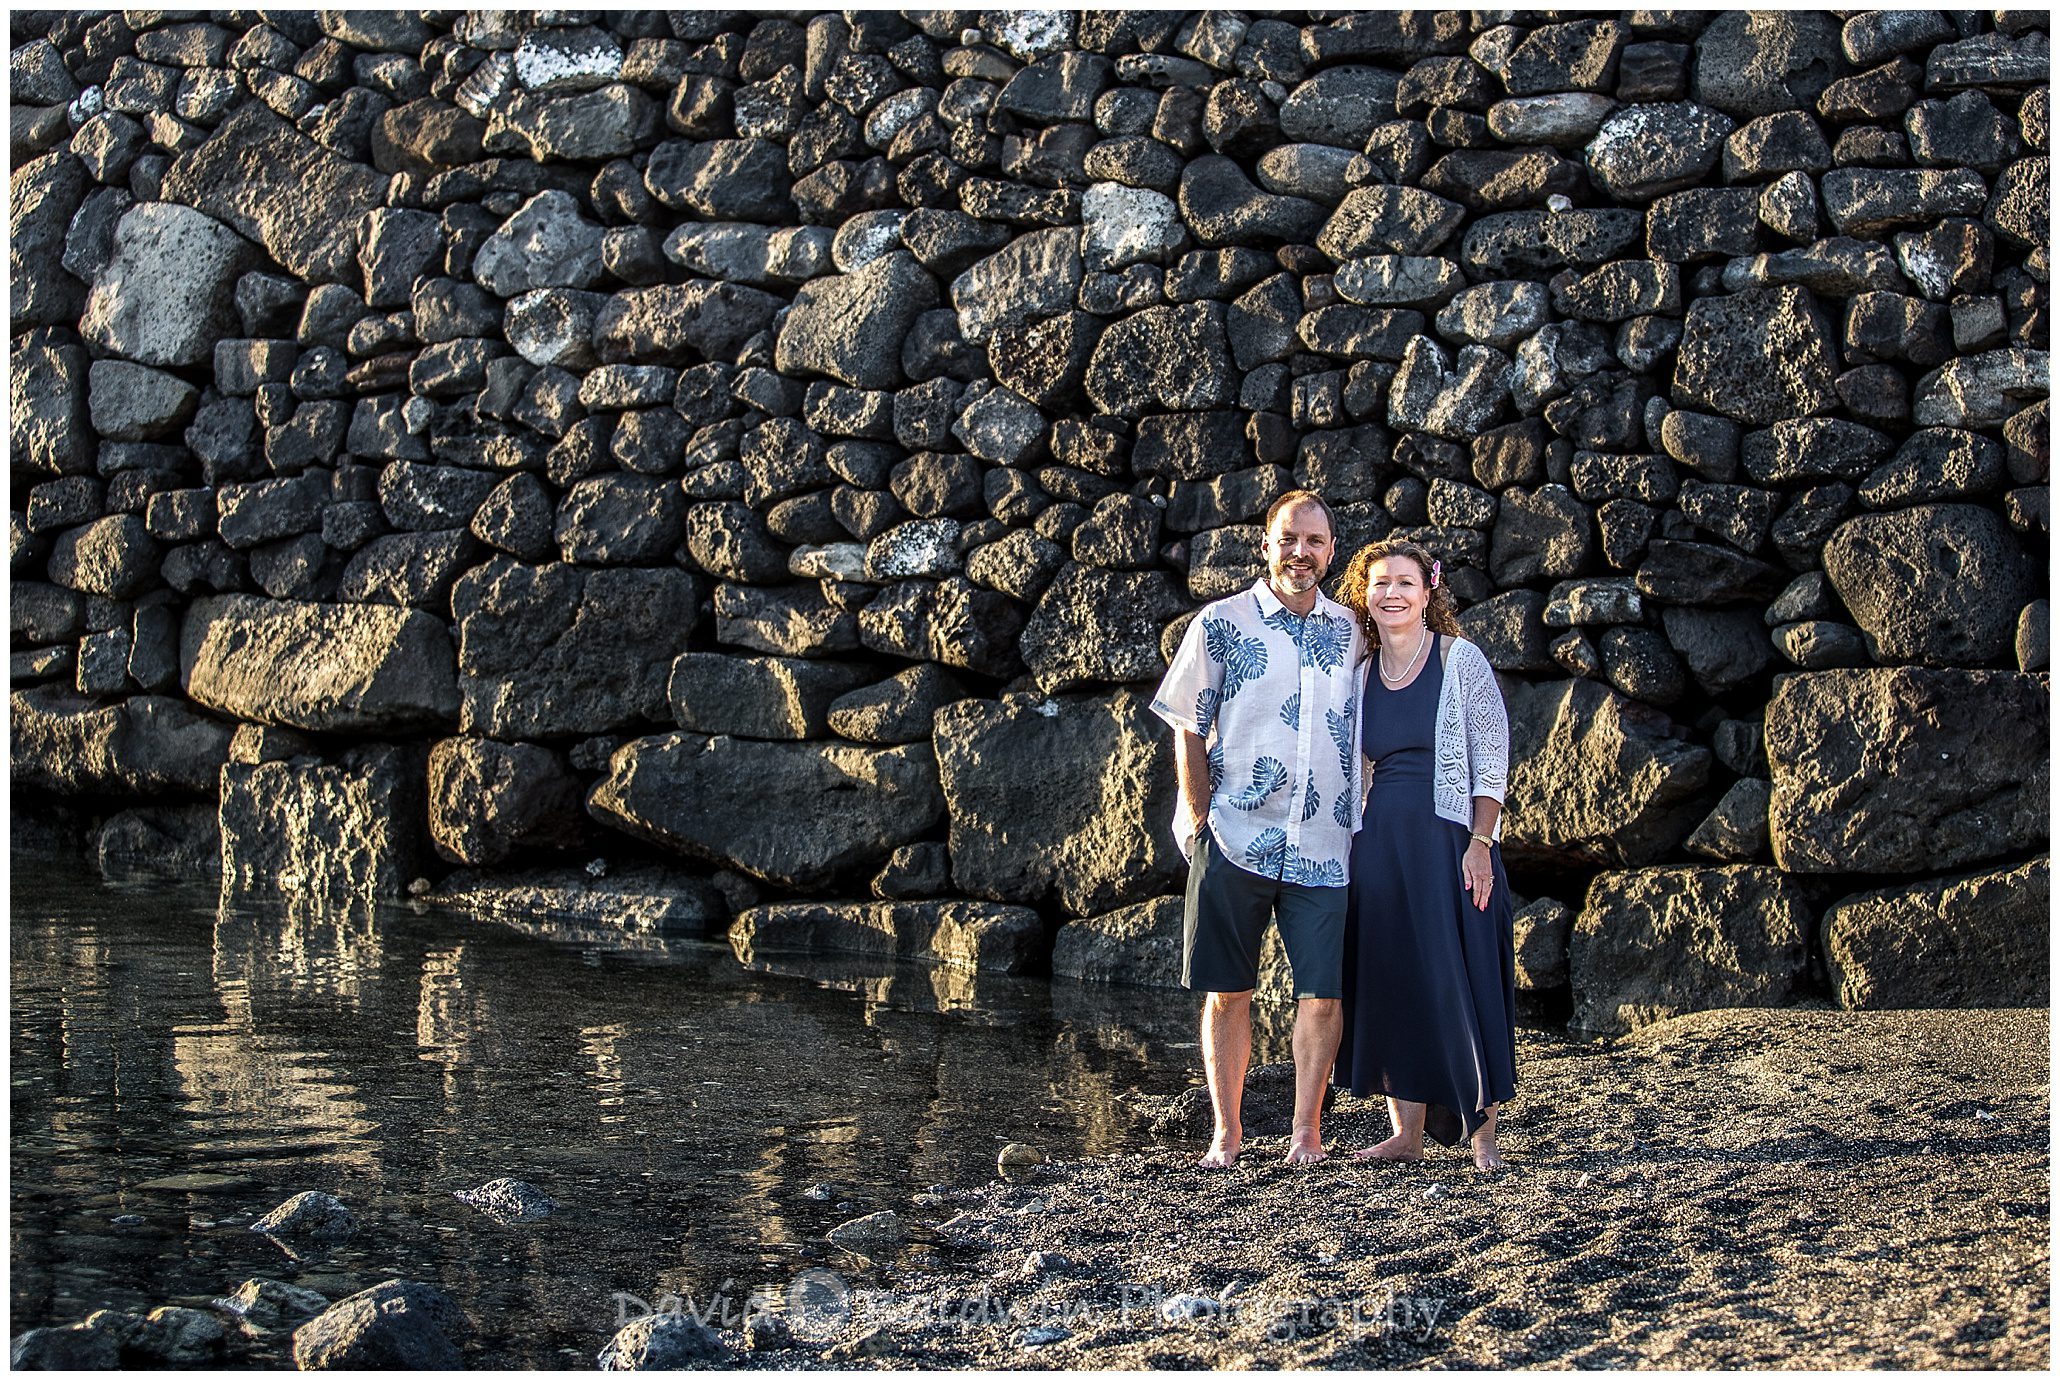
(1437, 573)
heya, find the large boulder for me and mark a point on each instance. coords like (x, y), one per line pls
(1759, 356)
(1595, 778)
(850, 326)
(1032, 277)
(961, 934)
(1940, 584)
(545, 244)
(166, 297)
(1100, 625)
(490, 802)
(147, 745)
(1976, 941)
(558, 649)
(758, 697)
(801, 815)
(275, 185)
(1653, 943)
(395, 1325)
(43, 195)
(1165, 358)
(352, 827)
(1067, 799)
(334, 668)
(1905, 769)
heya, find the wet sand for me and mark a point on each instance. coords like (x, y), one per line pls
(1730, 1189)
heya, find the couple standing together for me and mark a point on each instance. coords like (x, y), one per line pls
(1341, 772)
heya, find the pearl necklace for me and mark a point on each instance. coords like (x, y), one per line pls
(1421, 643)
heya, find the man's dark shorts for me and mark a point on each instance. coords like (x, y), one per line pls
(1226, 915)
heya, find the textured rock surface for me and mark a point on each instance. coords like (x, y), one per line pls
(962, 934)
(351, 827)
(738, 802)
(1977, 941)
(1906, 770)
(396, 1324)
(547, 379)
(1654, 943)
(327, 667)
(1601, 779)
(1066, 798)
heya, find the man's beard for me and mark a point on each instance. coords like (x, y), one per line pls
(1297, 578)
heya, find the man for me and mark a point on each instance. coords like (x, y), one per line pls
(1263, 697)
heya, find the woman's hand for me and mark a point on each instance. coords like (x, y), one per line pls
(1478, 868)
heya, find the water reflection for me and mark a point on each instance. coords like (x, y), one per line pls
(680, 1105)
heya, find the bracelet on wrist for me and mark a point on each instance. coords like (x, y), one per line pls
(1480, 838)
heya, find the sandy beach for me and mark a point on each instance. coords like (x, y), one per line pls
(1730, 1189)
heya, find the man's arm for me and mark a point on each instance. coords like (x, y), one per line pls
(1191, 765)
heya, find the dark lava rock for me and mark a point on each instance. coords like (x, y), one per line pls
(1759, 356)
(1609, 781)
(557, 649)
(1064, 799)
(490, 802)
(1975, 941)
(1654, 943)
(1905, 769)
(733, 802)
(1939, 584)
(399, 1324)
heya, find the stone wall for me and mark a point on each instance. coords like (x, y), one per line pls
(785, 447)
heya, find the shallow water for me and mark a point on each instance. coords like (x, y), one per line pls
(679, 1105)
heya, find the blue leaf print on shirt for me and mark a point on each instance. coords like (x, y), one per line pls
(1244, 659)
(1215, 768)
(1329, 873)
(1291, 711)
(1340, 724)
(1267, 853)
(1326, 642)
(1310, 800)
(1341, 810)
(1205, 710)
(1268, 776)
(1322, 638)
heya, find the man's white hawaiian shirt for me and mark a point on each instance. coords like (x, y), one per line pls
(1274, 695)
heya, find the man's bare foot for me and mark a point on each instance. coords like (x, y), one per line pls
(1396, 1147)
(1306, 1148)
(1222, 1152)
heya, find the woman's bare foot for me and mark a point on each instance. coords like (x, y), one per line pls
(1485, 1156)
(1306, 1148)
(1222, 1152)
(1396, 1147)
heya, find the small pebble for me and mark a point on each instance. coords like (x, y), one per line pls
(1043, 1335)
(1436, 1191)
(1183, 1307)
(1017, 1154)
(127, 1220)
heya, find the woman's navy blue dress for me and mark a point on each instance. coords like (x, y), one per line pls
(1430, 980)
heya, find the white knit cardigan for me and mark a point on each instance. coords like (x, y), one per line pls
(1472, 745)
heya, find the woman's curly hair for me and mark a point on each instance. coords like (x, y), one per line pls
(1440, 614)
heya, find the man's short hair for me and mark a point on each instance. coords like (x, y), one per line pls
(1301, 496)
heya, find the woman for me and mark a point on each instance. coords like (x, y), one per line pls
(1430, 965)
